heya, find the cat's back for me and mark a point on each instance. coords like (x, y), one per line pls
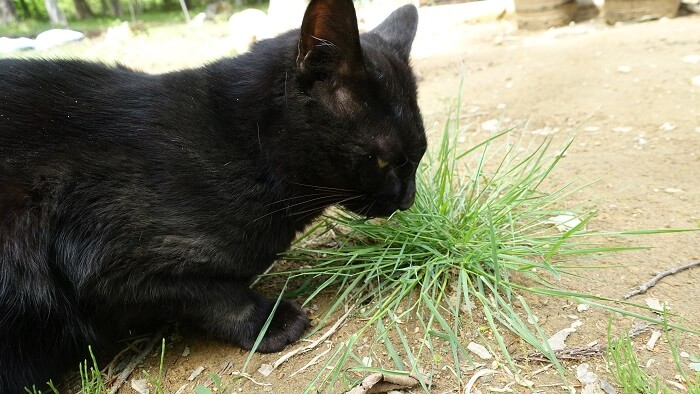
(50, 103)
(64, 96)
(37, 83)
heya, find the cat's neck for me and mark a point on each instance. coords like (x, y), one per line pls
(249, 96)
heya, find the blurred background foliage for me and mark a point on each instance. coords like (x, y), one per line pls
(29, 17)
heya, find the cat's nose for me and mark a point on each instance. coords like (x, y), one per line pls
(409, 196)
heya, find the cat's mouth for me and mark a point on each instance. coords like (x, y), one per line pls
(373, 209)
(381, 207)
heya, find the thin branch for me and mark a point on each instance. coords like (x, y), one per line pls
(641, 289)
(124, 375)
(580, 353)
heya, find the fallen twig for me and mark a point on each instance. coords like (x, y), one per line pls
(381, 383)
(579, 353)
(313, 344)
(641, 289)
(108, 371)
(124, 375)
(575, 353)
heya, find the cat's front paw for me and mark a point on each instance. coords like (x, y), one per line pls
(287, 326)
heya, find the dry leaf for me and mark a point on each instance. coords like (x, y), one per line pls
(479, 350)
(584, 375)
(557, 341)
(564, 222)
(140, 385)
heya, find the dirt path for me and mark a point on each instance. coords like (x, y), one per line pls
(625, 95)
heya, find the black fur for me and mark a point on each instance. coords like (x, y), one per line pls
(127, 199)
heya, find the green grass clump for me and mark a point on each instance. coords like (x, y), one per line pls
(624, 366)
(476, 242)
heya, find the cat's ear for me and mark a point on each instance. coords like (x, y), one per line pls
(399, 30)
(330, 41)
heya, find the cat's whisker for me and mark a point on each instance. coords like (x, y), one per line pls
(316, 204)
(307, 212)
(323, 187)
(302, 196)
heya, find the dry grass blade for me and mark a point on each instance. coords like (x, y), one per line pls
(315, 343)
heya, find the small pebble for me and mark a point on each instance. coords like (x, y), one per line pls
(140, 386)
(265, 369)
(490, 125)
(622, 129)
(624, 69)
(668, 126)
(545, 131)
(691, 59)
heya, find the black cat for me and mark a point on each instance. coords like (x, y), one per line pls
(128, 199)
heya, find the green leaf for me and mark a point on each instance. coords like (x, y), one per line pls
(216, 379)
(202, 390)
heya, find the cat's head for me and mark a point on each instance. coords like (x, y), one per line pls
(367, 132)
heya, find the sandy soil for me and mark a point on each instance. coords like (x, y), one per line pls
(625, 94)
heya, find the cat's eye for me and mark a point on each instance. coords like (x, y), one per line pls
(382, 163)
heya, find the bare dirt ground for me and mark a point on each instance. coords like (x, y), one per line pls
(624, 94)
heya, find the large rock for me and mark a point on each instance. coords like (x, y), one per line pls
(247, 27)
(286, 15)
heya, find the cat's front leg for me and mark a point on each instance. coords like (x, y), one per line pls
(242, 318)
(226, 309)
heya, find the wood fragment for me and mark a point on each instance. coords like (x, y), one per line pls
(124, 375)
(480, 374)
(314, 344)
(641, 289)
(383, 383)
(651, 343)
(109, 369)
